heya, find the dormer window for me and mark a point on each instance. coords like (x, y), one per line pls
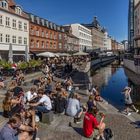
(32, 18)
(47, 23)
(4, 4)
(42, 21)
(18, 10)
(38, 20)
(51, 26)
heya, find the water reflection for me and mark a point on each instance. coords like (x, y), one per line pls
(112, 79)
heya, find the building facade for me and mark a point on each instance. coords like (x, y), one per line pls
(137, 33)
(107, 42)
(14, 31)
(125, 42)
(46, 36)
(84, 36)
(131, 26)
(98, 35)
(72, 41)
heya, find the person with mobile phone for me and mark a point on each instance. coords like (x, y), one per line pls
(91, 123)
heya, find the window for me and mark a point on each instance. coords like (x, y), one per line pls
(20, 25)
(50, 44)
(37, 32)
(8, 21)
(25, 41)
(42, 44)
(14, 39)
(37, 44)
(25, 26)
(47, 44)
(47, 34)
(4, 4)
(42, 33)
(32, 31)
(54, 45)
(18, 10)
(1, 37)
(32, 43)
(60, 45)
(54, 36)
(60, 36)
(1, 20)
(7, 39)
(20, 40)
(51, 36)
(14, 23)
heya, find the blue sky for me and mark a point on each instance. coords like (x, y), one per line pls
(112, 14)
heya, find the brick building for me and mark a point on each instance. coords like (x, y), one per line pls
(45, 36)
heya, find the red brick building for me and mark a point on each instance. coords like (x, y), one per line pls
(45, 36)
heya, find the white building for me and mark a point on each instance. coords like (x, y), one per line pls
(14, 30)
(107, 42)
(125, 43)
(84, 35)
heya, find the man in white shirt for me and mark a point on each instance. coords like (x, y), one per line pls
(44, 104)
(30, 95)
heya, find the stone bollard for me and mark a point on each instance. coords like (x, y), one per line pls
(47, 117)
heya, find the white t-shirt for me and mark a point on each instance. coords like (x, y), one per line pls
(46, 102)
(29, 96)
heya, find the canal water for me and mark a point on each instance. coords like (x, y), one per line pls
(112, 79)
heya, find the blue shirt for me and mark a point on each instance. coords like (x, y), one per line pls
(7, 133)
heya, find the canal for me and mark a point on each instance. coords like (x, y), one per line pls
(112, 79)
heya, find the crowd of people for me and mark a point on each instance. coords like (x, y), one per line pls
(25, 108)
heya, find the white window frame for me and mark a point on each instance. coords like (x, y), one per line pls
(4, 4)
(14, 24)
(37, 32)
(7, 38)
(14, 39)
(19, 40)
(25, 27)
(1, 37)
(60, 36)
(60, 45)
(25, 40)
(18, 10)
(32, 43)
(43, 45)
(20, 25)
(1, 20)
(42, 33)
(7, 21)
(37, 44)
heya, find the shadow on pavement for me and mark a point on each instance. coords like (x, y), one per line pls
(79, 131)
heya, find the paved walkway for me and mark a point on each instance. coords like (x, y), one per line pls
(124, 127)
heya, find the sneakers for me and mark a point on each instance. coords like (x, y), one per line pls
(137, 111)
(77, 120)
(128, 114)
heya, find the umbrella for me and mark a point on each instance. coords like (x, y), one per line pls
(63, 54)
(10, 55)
(26, 54)
(81, 53)
(46, 54)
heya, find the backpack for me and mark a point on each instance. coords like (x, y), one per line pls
(108, 134)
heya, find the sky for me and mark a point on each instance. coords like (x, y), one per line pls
(112, 14)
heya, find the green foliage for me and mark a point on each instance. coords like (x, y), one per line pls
(35, 63)
(5, 65)
(23, 65)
